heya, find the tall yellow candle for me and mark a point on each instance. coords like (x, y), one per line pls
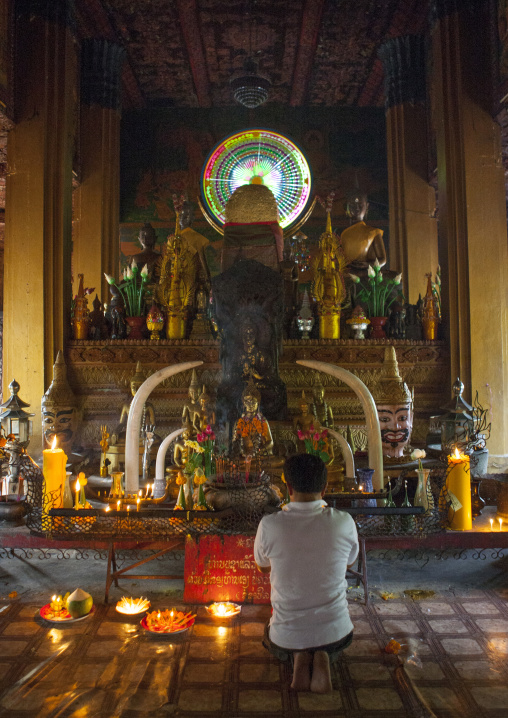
(53, 469)
(458, 482)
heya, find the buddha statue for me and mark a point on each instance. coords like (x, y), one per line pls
(307, 422)
(253, 361)
(394, 403)
(116, 452)
(251, 434)
(328, 286)
(204, 415)
(192, 404)
(361, 244)
(147, 238)
(252, 230)
(321, 410)
(195, 241)
(180, 451)
(60, 416)
(177, 285)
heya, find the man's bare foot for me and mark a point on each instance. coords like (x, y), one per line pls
(301, 671)
(321, 679)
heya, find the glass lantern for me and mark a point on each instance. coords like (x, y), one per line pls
(14, 419)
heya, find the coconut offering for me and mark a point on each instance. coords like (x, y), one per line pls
(79, 603)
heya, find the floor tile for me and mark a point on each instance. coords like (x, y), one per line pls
(363, 648)
(252, 629)
(21, 628)
(368, 672)
(448, 625)
(391, 609)
(259, 673)
(355, 609)
(12, 648)
(461, 646)
(436, 608)
(491, 697)
(361, 628)
(103, 649)
(378, 699)
(492, 625)
(427, 671)
(479, 608)
(259, 701)
(398, 626)
(440, 698)
(316, 703)
(478, 670)
(212, 650)
(498, 645)
(204, 673)
(200, 699)
(253, 648)
(209, 630)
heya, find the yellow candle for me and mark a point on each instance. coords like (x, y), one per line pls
(137, 503)
(53, 469)
(500, 524)
(491, 524)
(458, 482)
(78, 488)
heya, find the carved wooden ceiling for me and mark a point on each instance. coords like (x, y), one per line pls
(316, 52)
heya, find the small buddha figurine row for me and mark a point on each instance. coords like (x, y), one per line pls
(198, 411)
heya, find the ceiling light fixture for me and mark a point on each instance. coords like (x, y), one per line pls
(249, 87)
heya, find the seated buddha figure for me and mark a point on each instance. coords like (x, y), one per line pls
(251, 434)
(147, 238)
(203, 415)
(361, 244)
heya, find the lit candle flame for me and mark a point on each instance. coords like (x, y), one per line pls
(158, 616)
(456, 454)
(53, 598)
(108, 508)
(491, 524)
(223, 610)
(500, 524)
(132, 605)
(360, 488)
(78, 486)
(118, 505)
(128, 508)
(53, 445)
(140, 493)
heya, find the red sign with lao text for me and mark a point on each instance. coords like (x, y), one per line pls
(222, 568)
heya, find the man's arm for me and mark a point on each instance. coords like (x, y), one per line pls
(263, 569)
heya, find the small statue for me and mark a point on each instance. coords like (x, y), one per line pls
(192, 405)
(394, 403)
(181, 451)
(149, 437)
(115, 314)
(195, 241)
(177, 285)
(254, 362)
(321, 410)
(305, 420)
(81, 318)
(98, 328)
(430, 314)
(147, 238)
(328, 286)
(397, 321)
(362, 244)
(148, 416)
(59, 406)
(203, 416)
(105, 462)
(251, 434)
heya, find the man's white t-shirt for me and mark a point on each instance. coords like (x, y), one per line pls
(308, 546)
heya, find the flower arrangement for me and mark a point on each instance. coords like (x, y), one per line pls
(206, 440)
(418, 454)
(195, 459)
(132, 289)
(316, 442)
(377, 295)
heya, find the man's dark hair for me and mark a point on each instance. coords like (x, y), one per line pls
(305, 473)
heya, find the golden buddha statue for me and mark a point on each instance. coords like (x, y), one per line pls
(177, 285)
(192, 404)
(362, 244)
(204, 415)
(328, 286)
(321, 410)
(251, 434)
(195, 241)
(147, 238)
(181, 452)
(116, 451)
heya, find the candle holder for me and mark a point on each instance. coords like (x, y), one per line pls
(132, 606)
(223, 610)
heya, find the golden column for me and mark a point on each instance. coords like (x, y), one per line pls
(413, 230)
(472, 209)
(37, 288)
(97, 199)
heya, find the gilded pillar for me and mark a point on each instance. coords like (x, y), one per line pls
(472, 210)
(97, 199)
(38, 216)
(413, 228)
